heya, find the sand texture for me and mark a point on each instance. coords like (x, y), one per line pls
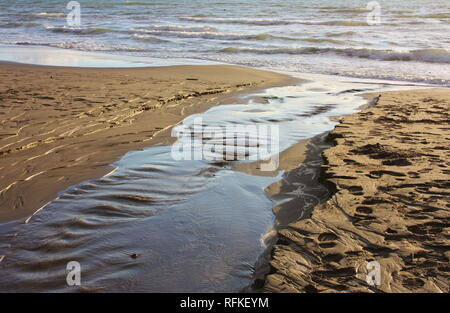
(389, 169)
(61, 126)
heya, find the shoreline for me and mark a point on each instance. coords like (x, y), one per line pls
(307, 154)
(299, 162)
(371, 215)
(78, 121)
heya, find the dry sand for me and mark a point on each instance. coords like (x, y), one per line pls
(61, 126)
(389, 168)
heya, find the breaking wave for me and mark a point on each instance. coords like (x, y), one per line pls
(209, 35)
(50, 14)
(422, 55)
(77, 45)
(245, 21)
(148, 38)
(182, 28)
(342, 23)
(82, 30)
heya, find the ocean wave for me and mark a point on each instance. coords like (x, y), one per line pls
(435, 15)
(77, 45)
(346, 10)
(82, 30)
(182, 28)
(244, 21)
(10, 25)
(424, 16)
(421, 55)
(209, 35)
(415, 22)
(338, 23)
(147, 38)
(141, 3)
(401, 11)
(16, 25)
(322, 40)
(50, 14)
(64, 45)
(341, 34)
(341, 23)
(28, 43)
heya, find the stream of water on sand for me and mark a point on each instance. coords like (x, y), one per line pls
(160, 225)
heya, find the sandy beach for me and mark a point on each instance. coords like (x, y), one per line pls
(62, 126)
(381, 176)
(388, 174)
(225, 147)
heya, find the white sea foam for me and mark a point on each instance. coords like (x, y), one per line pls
(185, 28)
(148, 38)
(205, 34)
(422, 55)
(245, 21)
(84, 30)
(50, 14)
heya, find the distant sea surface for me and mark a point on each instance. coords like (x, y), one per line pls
(326, 37)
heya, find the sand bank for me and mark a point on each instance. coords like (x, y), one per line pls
(61, 126)
(389, 174)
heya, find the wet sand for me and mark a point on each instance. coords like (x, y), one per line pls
(62, 126)
(388, 171)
